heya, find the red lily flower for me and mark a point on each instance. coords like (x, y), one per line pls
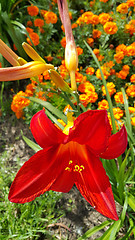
(73, 158)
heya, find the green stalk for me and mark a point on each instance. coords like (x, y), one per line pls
(1, 94)
(105, 85)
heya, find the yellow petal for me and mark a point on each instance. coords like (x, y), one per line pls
(32, 53)
(71, 62)
(59, 82)
(70, 123)
(27, 70)
(8, 54)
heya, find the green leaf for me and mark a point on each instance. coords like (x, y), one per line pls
(105, 85)
(111, 232)
(50, 107)
(123, 214)
(53, 119)
(131, 201)
(31, 144)
(121, 176)
(94, 230)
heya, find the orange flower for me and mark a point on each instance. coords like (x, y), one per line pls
(110, 28)
(105, 71)
(118, 113)
(131, 50)
(49, 58)
(40, 95)
(43, 12)
(131, 3)
(96, 33)
(50, 17)
(133, 121)
(84, 99)
(90, 70)
(18, 103)
(86, 87)
(70, 15)
(130, 27)
(118, 57)
(74, 25)
(133, 62)
(29, 30)
(32, 10)
(34, 38)
(80, 20)
(54, 1)
(104, 1)
(30, 89)
(122, 8)
(122, 48)
(79, 77)
(86, 17)
(92, 3)
(46, 75)
(110, 87)
(29, 23)
(126, 68)
(63, 42)
(96, 52)
(90, 41)
(131, 109)
(79, 51)
(124, 72)
(91, 97)
(104, 17)
(119, 97)
(131, 91)
(94, 19)
(38, 22)
(103, 105)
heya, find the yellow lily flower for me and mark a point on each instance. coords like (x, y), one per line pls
(27, 70)
(21, 69)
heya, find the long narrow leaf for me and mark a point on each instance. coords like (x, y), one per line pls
(54, 119)
(94, 230)
(111, 232)
(105, 85)
(121, 176)
(31, 144)
(50, 107)
(131, 201)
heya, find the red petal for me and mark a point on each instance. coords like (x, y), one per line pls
(44, 131)
(38, 174)
(117, 145)
(93, 129)
(93, 183)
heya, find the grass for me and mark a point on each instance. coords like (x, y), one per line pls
(29, 220)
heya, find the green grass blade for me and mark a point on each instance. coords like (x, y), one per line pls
(31, 144)
(49, 107)
(131, 201)
(121, 176)
(127, 111)
(105, 85)
(111, 232)
(54, 119)
(123, 214)
(94, 230)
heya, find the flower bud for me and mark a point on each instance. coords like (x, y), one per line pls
(59, 82)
